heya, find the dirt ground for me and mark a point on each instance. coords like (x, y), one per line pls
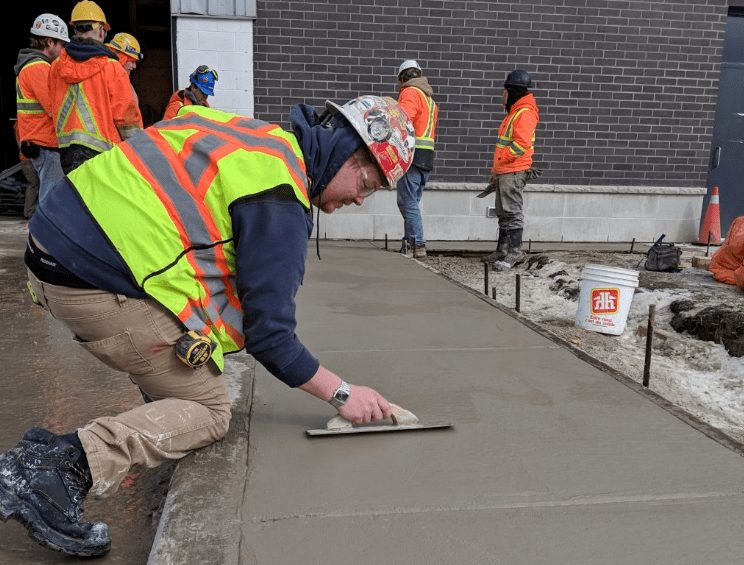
(698, 376)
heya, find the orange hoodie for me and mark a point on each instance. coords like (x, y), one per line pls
(92, 96)
(515, 145)
(33, 103)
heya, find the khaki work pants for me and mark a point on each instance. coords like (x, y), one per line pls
(190, 408)
(509, 200)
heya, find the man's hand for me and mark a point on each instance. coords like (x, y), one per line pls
(365, 405)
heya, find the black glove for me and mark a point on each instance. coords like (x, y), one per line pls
(532, 173)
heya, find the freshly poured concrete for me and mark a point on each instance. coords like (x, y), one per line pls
(550, 461)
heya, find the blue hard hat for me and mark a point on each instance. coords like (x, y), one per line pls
(204, 78)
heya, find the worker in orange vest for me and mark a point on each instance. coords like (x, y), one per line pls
(91, 93)
(35, 129)
(416, 100)
(201, 86)
(512, 167)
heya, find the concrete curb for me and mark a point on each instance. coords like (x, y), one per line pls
(219, 472)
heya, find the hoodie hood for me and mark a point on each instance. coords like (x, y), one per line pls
(25, 56)
(81, 59)
(421, 83)
(326, 145)
(526, 101)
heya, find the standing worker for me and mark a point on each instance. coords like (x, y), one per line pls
(128, 52)
(201, 86)
(512, 167)
(416, 100)
(91, 93)
(36, 134)
(202, 257)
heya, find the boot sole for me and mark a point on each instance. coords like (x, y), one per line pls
(11, 506)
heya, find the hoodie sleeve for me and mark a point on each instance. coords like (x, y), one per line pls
(124, 108)
(271, 237)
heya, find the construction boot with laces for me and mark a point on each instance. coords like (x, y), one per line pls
(43, 482)
(515, 255)
(502, 248)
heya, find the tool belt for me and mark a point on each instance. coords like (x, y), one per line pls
(663, 257)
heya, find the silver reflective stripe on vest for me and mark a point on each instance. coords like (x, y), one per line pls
(90, 137)
(193, 224)
(27, 105)
(244, 138)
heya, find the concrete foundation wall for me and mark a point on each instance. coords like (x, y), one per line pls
(552, 213)
(225, 45)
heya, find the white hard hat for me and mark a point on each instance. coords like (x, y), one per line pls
(408, 64)
(49, 25)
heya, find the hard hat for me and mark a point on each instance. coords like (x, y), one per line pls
(408, 64)
(88, 11)
(204, 78)
(49, 25)
(385, 129)
(518, 77)
(127, 44)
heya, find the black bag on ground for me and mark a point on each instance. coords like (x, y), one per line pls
(664, 257)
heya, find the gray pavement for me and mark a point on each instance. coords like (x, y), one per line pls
(551, 460)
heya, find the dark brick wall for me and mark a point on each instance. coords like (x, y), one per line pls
(627, 88)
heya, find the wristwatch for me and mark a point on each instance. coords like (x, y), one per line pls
(341, 395)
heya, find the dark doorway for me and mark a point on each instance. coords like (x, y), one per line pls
(147, 20)
(726, 168)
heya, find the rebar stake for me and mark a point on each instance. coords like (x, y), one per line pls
(632, 244)
(518, 294)
(493, 292)
(529, 246)
(707, 249)
(386, 243)
(485, 279)
(649, 343)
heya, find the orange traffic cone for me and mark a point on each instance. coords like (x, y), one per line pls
(711, 226)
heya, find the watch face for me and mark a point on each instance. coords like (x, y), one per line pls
(341, 395)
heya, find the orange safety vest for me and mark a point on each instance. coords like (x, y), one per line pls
(94, 100)
(516, 142)
(33, 104)
(178, 100)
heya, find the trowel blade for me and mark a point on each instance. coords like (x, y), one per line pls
(368, 429)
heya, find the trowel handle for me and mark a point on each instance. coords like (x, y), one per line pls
(400, 417)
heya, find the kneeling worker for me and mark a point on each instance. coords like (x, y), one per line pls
(206, 247)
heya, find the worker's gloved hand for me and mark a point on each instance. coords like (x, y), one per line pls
(533, 173)
(365, 405)
(492, 184)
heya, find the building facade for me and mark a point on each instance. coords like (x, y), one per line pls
(627, 91)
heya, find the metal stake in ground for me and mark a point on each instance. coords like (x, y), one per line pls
(485, 279)
(632, 244)
(707, 249)
(493, 292)
(518, 294)
(649, 343)
(386, 245)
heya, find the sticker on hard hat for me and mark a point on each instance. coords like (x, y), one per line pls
(379, 129)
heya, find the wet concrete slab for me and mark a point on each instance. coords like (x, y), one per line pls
(550, 460)
(46, 380)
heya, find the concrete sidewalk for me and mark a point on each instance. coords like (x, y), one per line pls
(551, 461)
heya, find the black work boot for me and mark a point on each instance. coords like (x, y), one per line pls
(515, 255)
(43, 482)
(502, 248)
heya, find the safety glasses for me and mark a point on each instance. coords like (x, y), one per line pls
(204, 69)
(369, 187)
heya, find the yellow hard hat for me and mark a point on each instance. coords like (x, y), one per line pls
(127, 44)
(89, 11)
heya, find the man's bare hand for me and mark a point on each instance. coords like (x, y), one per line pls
(365, 405)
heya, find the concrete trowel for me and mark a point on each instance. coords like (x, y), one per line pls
(403, 421)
